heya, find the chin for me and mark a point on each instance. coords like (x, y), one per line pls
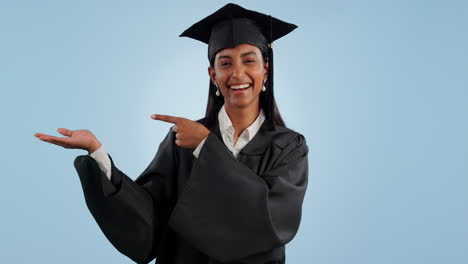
(241, 103)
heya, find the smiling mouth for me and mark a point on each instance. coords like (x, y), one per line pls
(240, 87)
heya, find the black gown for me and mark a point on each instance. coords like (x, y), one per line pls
(210, 209)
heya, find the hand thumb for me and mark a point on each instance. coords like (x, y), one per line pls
(65, 132)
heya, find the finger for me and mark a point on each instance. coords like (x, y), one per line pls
(177, 142)
(59, 140)
(177, 135)
(43, 138)
(59, 143)
(175, 129)
(38, 135)
(166, 118)
(48, 139)
(65, 132)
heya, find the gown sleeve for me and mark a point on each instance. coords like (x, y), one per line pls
(230, 213)
(130, 213)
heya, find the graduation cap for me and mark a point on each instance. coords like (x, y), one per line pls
(233, 25)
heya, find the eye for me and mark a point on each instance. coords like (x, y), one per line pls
(223, 64)
(249, 61)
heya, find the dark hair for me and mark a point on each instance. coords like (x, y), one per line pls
(272, 114)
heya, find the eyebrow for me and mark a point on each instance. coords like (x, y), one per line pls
(242, 55)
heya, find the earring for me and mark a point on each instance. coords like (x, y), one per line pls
(217, 90)
(264, 88)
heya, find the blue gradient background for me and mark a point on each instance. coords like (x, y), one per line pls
(378, 88)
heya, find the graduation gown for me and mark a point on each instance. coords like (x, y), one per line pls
(212, 209)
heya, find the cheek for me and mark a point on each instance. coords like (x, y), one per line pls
(260, 71)
(222, 76)
(258, 75)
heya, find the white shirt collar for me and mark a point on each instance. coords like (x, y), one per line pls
(225, 125)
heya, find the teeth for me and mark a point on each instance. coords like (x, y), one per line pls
(242, 86)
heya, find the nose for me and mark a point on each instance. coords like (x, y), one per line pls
(238, 71)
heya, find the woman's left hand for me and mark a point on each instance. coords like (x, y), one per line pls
(189, 134)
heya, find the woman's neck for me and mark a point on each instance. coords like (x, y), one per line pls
(242, 118)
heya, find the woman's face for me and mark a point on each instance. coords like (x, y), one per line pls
(239, 73)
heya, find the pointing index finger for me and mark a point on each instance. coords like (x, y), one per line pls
(166, 118)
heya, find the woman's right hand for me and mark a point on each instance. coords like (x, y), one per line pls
(74, 139)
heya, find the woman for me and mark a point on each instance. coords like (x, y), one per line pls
(226, 188)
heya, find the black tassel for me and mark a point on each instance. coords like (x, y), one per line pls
(269, 95)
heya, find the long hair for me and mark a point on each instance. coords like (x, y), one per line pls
(267, 99)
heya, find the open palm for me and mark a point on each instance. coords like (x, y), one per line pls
(74, 139)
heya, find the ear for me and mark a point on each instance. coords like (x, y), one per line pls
(265, 67)
(212, 73)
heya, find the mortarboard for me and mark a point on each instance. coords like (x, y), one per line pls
(232, 25)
